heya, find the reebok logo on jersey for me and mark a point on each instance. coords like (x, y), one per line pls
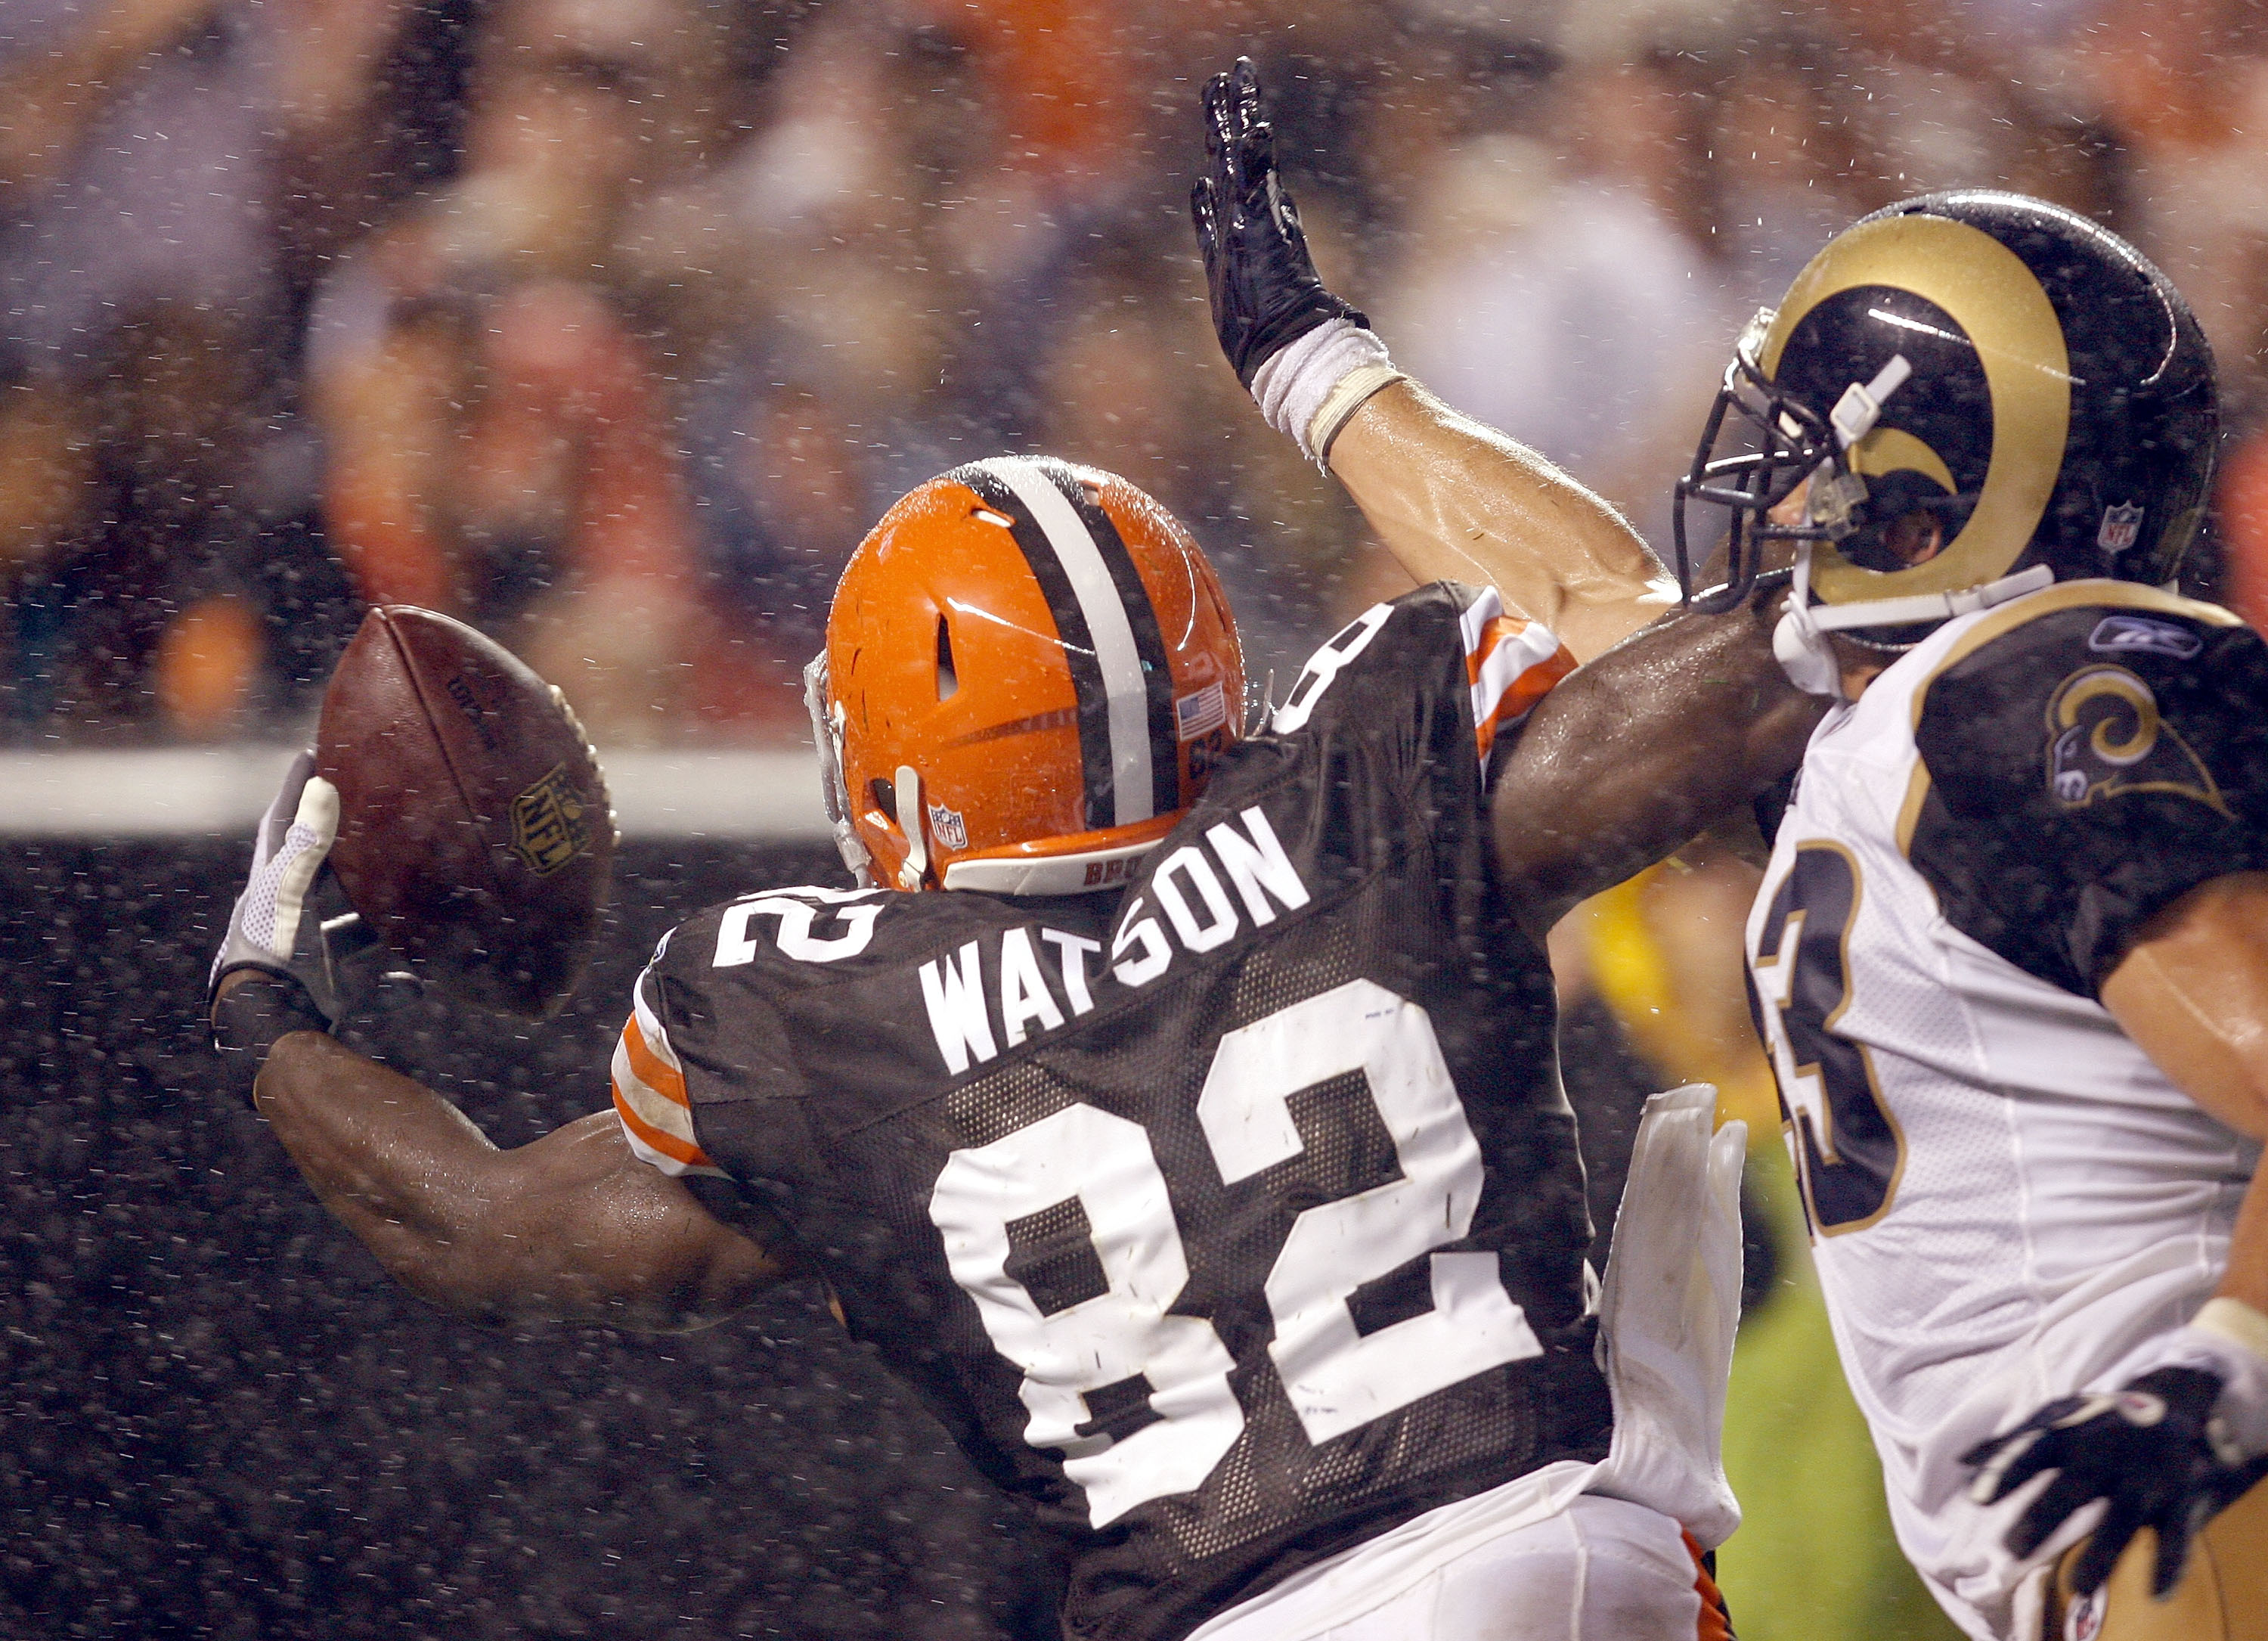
(2128, 634)
(2107, 738)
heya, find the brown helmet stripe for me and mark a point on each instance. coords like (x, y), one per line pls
(1112, 645)
(1149, 642)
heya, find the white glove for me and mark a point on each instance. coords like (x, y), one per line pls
(273, 926)
(276, 929)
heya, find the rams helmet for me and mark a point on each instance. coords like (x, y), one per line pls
(1030, 671)
(1986, 392)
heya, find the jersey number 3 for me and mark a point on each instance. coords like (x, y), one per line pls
(1848, 1150)
(1139, 1399)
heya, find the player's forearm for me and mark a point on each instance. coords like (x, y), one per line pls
(2246, 1279)
(567, 1229)
(396, 1164)
(2192, 992)
(1455, 500)
(1642, 749)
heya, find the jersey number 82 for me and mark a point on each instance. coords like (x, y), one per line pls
(1138, 1399)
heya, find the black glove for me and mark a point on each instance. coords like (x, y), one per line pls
(1261, 280)
(291, 924)
(2152, 1451)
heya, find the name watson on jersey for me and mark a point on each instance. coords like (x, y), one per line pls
(1186, 886)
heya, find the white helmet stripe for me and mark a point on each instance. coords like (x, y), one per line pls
(1132, 779)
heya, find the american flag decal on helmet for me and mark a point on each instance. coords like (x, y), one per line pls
(1512, 663)
(1108, 629)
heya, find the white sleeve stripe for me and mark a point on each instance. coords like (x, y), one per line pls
(648, 1099)
(673, 1117)
(665, 1164)
(649, 1027)
(1474, 621)
(666, 1125)
(1507, 664)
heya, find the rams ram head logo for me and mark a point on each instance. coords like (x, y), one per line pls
(2106, 737)
(1982, 447)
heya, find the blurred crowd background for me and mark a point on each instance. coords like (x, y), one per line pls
(611, 325)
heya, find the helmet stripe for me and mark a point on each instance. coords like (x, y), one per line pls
(1105, 635)
(989, 479)
(1149, 643)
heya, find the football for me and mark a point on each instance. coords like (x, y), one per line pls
(475, 833)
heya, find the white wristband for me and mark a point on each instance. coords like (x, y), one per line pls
(2235, 1321)
(2226, 1339)
(1308, 388)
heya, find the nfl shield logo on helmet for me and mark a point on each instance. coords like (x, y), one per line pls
(2122, 527)
(948, 826)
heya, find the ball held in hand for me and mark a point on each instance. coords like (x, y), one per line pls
(475, 831)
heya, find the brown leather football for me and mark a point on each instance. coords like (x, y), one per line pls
(475, 831)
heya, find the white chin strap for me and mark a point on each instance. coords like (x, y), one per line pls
(1800, 641)
(906, 789)
(827, 737)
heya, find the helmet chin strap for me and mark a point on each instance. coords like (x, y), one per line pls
(827, 720)
(1800, 643)
(907, 788)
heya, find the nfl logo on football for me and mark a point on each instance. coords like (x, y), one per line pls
(2122, 527)
(547, 824)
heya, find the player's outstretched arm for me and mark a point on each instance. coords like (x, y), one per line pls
(1455, 500)
(571, 1228)
(2186, 1430)
(1451, 499)
(1637, 751)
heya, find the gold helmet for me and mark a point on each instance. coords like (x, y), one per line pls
(1987, 393)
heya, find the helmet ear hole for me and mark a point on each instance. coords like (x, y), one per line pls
(884, 796)
(948, 682)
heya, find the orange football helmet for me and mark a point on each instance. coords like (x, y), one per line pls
(1030, 671)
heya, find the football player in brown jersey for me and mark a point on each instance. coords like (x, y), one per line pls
(1174, 1104)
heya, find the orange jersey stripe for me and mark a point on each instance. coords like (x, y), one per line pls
(1521, 696)
(663, 1078)
(1716, 1620)
(651, 1099)
(668, 1144)
(1499, 629)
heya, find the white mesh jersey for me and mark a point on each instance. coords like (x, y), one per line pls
(2006, 1196)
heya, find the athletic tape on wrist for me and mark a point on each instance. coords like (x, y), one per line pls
(2235, 1321)
(1302, 380)
(1353, 393)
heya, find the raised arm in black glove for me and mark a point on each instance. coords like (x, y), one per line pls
(1258, 272)
(2152, 1451)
